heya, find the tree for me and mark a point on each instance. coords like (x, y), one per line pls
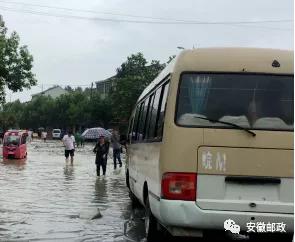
(69, 88)
(100, 111)
(85, 108)
(40, 112)
(7, 120)
(15, 64)
(131, 79)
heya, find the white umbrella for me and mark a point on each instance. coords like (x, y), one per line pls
(95, 133)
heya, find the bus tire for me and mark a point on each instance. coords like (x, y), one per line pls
(150, 223)
(127, 180)
(134, 200)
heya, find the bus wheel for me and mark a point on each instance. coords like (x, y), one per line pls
(127, 180)
(151, 224)
(134, 201)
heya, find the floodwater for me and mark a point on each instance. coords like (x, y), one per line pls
(45, 198)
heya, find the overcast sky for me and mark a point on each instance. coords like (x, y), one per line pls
(77, 51)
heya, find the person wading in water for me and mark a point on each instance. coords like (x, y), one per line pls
(101, 149)
(69, 143)
(116, 148)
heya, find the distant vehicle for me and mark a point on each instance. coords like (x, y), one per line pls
(211, 140)
(35, 135)
(15, 144)
(56, 133)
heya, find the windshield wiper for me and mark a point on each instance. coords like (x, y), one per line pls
(228, 123)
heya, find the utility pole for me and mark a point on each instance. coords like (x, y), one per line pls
(91, 90)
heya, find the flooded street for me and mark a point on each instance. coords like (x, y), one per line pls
(193, 100)
(46, 199)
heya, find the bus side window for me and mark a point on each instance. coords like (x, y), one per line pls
(143, 119)
(161, 115)
(153, 114)
(130, 128)
(136, 123)
(148, 116)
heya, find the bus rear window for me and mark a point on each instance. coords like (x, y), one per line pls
(249, 100)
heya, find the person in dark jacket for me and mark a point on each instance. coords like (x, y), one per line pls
(115, 140)
(101, 149)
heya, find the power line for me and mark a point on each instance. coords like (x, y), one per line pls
(124, 15)
(89, 11)
(263, 27)
(71, 85)
(143, 22)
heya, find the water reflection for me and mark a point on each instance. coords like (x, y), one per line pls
(56, 201)
(100, 191)
(134, 227)
(19, 164)
(69, 171)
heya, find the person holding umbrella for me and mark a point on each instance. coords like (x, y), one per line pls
(101, 150)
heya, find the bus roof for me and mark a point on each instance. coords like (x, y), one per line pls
(229, 60)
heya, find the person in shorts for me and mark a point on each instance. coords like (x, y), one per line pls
(69, 143)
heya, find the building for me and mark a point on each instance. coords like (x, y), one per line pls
(53, 92)
(104, 87)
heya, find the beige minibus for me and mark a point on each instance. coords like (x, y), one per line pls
(210, 144)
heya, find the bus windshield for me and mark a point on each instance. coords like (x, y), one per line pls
(11, 140)
(252, 101)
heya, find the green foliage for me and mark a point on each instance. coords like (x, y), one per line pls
(15, 64)
(132, 78)
(74, 109)
(85, 108)
(39, 112)
(99, 112)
